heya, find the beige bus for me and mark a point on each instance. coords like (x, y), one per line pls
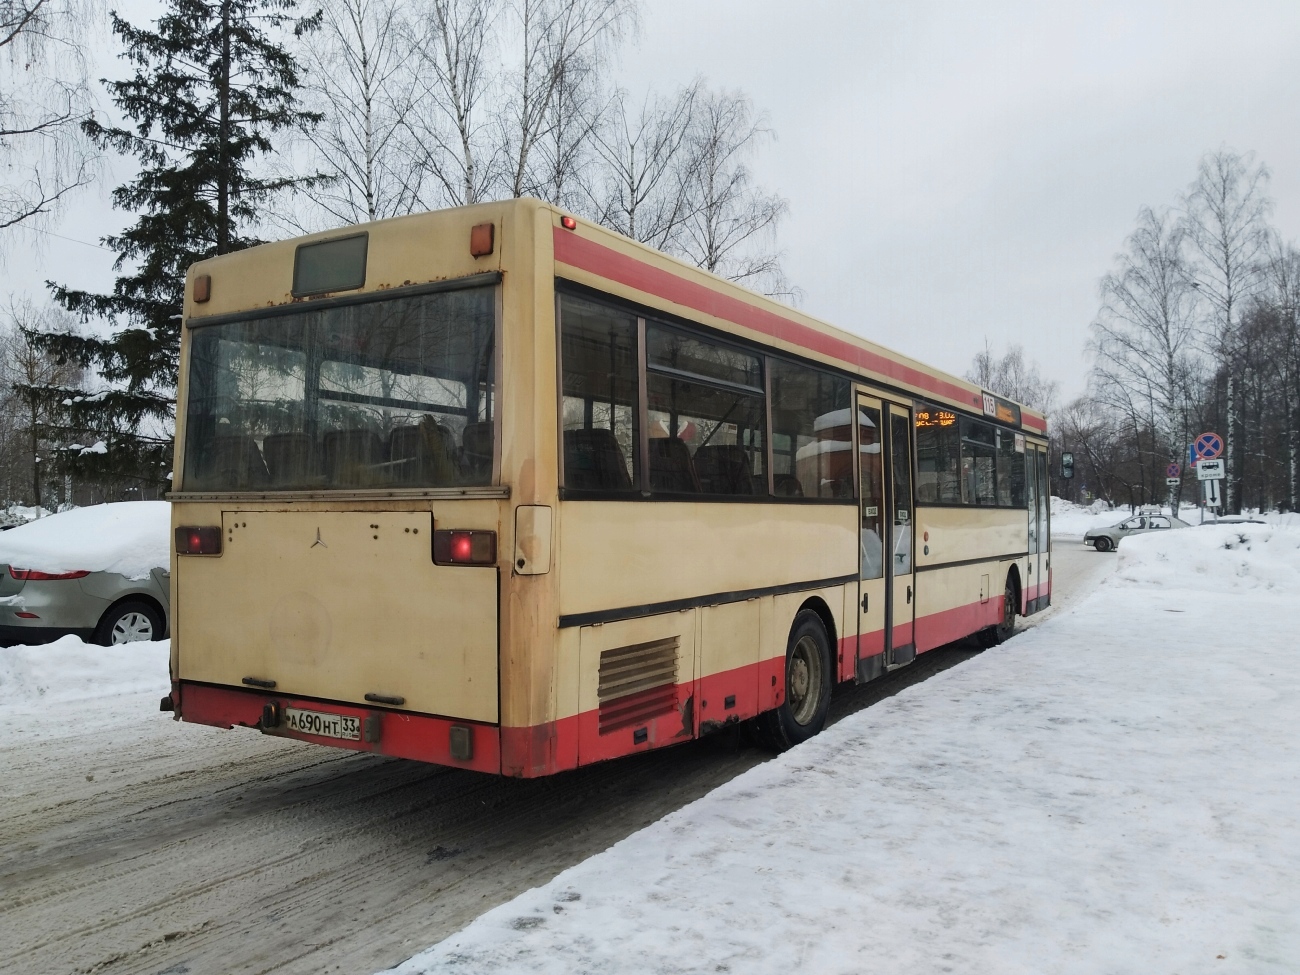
(499, 489)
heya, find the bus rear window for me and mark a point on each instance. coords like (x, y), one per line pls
(397, 392)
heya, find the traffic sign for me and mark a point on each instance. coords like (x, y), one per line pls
(1208, 446)
(1210, 491)
(1209, 470)
(1173, 481)
(1172, 472)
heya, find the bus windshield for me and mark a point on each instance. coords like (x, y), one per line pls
(393, 392)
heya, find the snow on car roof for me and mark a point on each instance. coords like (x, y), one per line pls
(128, 537)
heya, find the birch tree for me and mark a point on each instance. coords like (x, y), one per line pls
(645, 161)
(44, 98)
(1145, 336)
(453, 48)
(359, 82)
(1012, 375)
(731, 225)
(1226, 212)
(557, 45)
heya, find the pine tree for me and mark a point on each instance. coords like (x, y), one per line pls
(210, 89)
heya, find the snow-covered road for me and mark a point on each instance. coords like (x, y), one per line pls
(1115, 791)
(129, 843)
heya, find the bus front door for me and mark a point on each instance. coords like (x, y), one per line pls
(872, 511)
(886, 597)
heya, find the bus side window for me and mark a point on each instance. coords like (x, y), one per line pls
(599, 413)
(710, 397)
(938, 455)
(812, 433)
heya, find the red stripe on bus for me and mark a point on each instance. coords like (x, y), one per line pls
(530, 752)
(591, 256)
(938, 629)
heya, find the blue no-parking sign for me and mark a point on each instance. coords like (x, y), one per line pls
(1206, 447)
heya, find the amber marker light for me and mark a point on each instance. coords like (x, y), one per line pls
(482, 239)
(569, 223)
(202, 288)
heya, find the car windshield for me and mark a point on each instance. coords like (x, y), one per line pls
(390, 392)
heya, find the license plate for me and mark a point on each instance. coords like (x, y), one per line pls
(322, 724)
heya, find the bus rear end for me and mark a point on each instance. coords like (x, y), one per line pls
(339, 511)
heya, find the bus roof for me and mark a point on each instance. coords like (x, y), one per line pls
(593, 255)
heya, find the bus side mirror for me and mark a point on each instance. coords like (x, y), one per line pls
(1067, 466)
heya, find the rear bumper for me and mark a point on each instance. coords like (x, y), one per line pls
(401, 734)
(35, 635)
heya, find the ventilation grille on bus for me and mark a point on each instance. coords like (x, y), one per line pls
(637, 683)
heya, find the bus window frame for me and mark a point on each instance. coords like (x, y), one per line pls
(645, 315)
(970, 415)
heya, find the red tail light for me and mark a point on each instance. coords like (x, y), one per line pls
(194, 540)
(456, 547)
(34, 576)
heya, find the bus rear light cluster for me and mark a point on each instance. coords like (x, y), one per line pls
(460, 547)
(33, 575)
(198, 540)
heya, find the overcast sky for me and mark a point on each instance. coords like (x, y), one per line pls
(960, 170)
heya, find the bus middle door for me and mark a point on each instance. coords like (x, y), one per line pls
(901, 646)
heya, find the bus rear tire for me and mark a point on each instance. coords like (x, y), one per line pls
(808, 679)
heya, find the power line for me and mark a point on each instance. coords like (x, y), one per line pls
(86, 243)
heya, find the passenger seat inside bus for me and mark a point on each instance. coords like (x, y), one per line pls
(724, 469)
(476, 452)
(671, 468)
(351, 456)
(422, 454)
(288, 458)
(233, 462)
(787, 486)
(593, 461)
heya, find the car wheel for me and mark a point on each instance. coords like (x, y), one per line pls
(994, 635)
(807, 698)
(130, 622)
(1104, 544)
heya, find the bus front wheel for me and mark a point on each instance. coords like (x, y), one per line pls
(807, 697)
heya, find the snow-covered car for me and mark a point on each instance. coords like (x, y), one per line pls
(99, 572)
(1235, 520)
(1105, 539)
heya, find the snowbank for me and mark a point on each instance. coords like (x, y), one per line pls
(1214, 558)
(1114, 790)
(131, 537)
(1069, 518)
(71, 670)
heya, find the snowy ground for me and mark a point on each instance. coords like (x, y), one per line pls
(1116, 790)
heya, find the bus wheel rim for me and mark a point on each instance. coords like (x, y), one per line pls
(804, 680)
